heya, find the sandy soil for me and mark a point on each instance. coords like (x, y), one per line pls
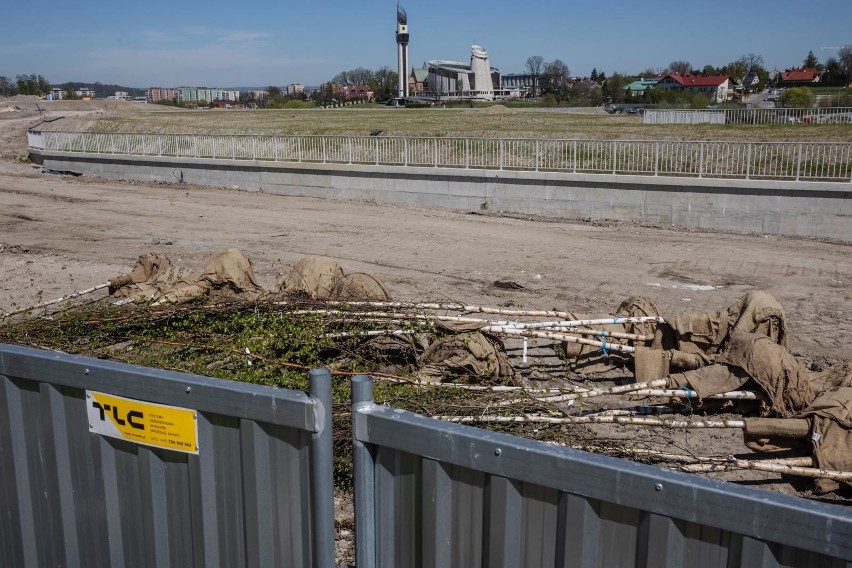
(62, 234)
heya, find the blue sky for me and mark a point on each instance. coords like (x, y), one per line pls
(215, 43)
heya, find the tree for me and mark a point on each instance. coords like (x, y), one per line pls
(750, 61)
(385, 79)
(699, 101)
(844, 55)
(798, 97)
(68, 92)
(594, 75)
(7, 87)
(709, 70)
(554, 79)
(534, 66)
(273, 91)
(811, 60)
(601, 77)
(680, 67)
(613, 88)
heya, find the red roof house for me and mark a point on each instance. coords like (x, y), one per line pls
(718, 88)
(801, 76)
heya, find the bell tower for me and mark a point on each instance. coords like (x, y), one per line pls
(402, 50)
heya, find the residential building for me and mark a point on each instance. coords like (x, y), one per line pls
(294, 89)
(751, 81)
(58, 93)
(206, 94)
(355, 93)
(639, 87)
(800, 76)
(419, 80)
(718, 88)
(155, 94)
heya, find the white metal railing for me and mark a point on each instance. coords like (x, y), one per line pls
(806, 161)
(836, 115)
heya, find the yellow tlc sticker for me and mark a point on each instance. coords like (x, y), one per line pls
(145, 423)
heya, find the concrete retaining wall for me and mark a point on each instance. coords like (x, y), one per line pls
(770, 207)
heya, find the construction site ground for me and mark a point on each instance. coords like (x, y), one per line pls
(59, 234)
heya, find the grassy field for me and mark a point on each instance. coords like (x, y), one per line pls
(477, 122)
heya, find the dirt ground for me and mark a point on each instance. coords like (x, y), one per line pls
(60, 234)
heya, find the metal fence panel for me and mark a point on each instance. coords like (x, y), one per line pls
(451, 495)
(806, 161)
(258, 493)
(754, 116)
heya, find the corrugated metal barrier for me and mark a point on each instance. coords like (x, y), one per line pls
(104, 464)
(431, 493)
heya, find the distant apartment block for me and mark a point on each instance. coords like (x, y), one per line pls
(258, 95)
(155, 94)
(294, 89)
(58, 93)
(208, 95)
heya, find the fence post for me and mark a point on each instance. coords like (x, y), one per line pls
(435, 148)
(299, 148)
(160, 142)
(467, 153)
(322, 475)
(701, 161)
(656, 158)
(377, 150)
(537, 154)
(748, 161)
(275, 145)
(799, 162)
(195, 145)
(364, 485)
(613, 157)
(324, 150)
(575, 156)
(405, 151)
(500, 154)
(349, 140)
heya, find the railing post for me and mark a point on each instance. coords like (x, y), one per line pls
(574, 156)
(701, 161)
(322, 473)
(500, 154)
(405, 152)
(613, 157)
(349, 140)
(377, 150)
(276, 152)
(656, 158)
(748, 161)
(254, 147)
(160, 141)
(195, 145)
(467, 153)
(324, 150)
(435, 150)
(365, 471)
(799, 162)
(233, 148)
(299, 148)
(537, 154)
